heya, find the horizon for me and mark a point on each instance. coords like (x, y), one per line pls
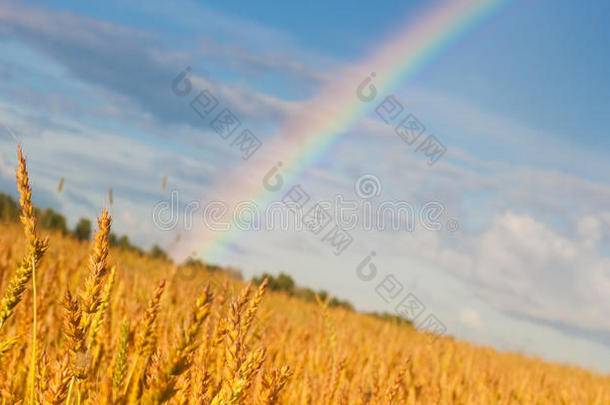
(459, 166)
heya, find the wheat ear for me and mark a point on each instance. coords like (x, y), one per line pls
(179, 360)
(36, 247)
(273, 382)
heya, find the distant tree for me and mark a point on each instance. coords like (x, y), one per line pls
(335, 302)
(283, 282)
(388, 317)
(82, 230)
(9, 208)
(258, 280)
(212, 267)
(53, 220)
(323, 295)
(157, 253)
(113, 239)
(306, 293)
(124, 243)
(193, 262)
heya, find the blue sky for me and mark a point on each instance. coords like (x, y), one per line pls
(520, 100)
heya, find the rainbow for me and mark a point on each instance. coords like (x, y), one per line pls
(303, 139)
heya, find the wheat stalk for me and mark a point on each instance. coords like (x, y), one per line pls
(179, 358)
(36, 247)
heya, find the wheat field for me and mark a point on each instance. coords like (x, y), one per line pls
(84, 323)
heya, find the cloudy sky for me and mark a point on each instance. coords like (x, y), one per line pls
(519, 99)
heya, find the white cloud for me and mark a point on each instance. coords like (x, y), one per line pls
(524, 267)
(471, 318)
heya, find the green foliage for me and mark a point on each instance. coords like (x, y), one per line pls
(82, 230)
(193, 262)
(125, 244)
(9, 211)
(336, 302)
(283, 282)
(157, 253)
(388, 317)
(9, 208)
(113, 239)
(53, 220)
(307, 294)
(48, 218)
(211, 267)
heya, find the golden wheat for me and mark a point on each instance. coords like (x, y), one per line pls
(128, 337)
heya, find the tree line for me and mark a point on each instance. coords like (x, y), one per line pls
(52, 220)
